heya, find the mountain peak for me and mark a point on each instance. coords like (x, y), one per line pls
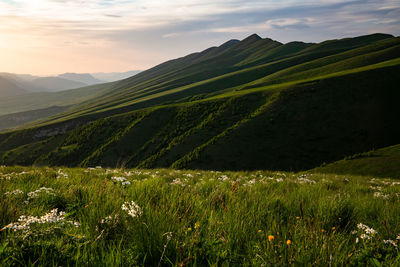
(252, 38)
(229, 43)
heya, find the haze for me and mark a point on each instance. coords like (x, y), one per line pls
(54, 36)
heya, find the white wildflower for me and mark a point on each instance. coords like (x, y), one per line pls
(36, 193)
(121, 180)
(223, 178)
(381, 195)
(367, 229)
(132, 208)
(393, 243)
(54, 217)
(15, 192)
(364, 236)
(303, 180)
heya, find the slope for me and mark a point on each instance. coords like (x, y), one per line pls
(8, 88)
(198, 75)
(299, 106)
(288, 127)
(55, 84)
(382, 162)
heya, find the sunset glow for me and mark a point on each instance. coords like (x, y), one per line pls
(55, 36)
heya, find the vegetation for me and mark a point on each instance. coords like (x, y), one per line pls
(114, 217)
(383, 162)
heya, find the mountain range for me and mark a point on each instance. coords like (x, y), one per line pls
(249, 104)
(18, 84)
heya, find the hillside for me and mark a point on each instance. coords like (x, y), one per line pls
(8, 88)
(17, 119)
(382, 162)
(84, 78)
(55, 84)
(250, 104)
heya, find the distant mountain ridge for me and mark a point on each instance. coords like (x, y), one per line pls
(30, 83)
(249, 104)
(84, 78)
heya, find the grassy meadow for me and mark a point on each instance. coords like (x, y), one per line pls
(165, 217)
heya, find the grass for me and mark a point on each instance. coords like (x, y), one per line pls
(198, 218)
(383, 162)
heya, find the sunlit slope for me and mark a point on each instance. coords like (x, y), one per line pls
(293, 126)
(220, 69)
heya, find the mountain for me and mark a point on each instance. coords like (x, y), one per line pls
(245, 105)
(8, 88)
(55, 84)
(84, 78)
(114, 76)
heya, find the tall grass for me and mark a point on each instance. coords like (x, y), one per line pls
(198, 218)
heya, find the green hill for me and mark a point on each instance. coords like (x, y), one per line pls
(250, 104)
(382, 162)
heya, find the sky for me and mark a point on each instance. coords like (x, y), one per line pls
(44, 37)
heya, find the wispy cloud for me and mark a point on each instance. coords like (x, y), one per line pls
(140, 33)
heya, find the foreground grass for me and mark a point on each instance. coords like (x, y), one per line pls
(196, 218)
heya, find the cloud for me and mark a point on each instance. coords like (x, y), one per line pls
(126, 30)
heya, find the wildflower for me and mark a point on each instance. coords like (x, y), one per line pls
(288, 242)
(122, 180)
(367, 229)
(223, 178)
(24, 222)
(323, 230)
(132, 208)
(15, 192)
(357, 240)
(393, 243)
(197, 225)
(364, 236)
(189, 229)
(271, 237)
(333, 228)
(260, 231)
(297, 218)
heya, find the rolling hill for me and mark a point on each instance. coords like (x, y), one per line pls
(249, 104)
(55, 84)
(8, 88)
(84, 78)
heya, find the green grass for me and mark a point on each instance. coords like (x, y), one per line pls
(383, 162)
(199, 218)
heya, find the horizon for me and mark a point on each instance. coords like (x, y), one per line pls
(48, 37)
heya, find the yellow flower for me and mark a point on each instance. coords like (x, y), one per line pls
(323, 230)
(271, 237)
(297, 218)
(260, 231)
(288, 242)
(333, 228)
(197, 225)
(189, 229)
